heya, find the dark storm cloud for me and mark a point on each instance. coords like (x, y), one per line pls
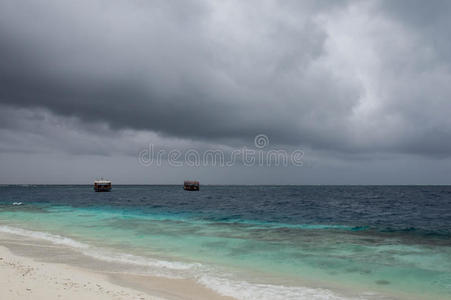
(326, 74)
(171, 69)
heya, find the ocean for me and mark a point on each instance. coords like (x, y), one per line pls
(253, 242)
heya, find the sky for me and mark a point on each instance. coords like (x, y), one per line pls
(97, 88)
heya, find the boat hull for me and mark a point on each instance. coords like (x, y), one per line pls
(191, 188)
(102, 188)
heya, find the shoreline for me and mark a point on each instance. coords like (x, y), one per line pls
(32, 268)
(28, 277)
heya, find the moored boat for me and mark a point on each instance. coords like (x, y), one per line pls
(191, 185)
(102, 185)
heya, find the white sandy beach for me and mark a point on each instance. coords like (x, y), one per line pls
(24, 278)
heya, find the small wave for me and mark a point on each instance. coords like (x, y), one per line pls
(243, 290)
(100, 253)
(276, 225)
(17, 203)
(270, 224)
(53, 238)
(109, 256)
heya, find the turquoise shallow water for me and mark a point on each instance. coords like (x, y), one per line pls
(222, 247)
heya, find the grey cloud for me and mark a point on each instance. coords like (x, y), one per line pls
(226, 71)
(168, 69)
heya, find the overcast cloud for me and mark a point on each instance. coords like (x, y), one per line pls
(343, 80)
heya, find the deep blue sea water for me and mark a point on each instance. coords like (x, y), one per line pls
(255, 242)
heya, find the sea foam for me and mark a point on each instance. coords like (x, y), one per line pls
(98, 252)
(254, 291)
(53, 238)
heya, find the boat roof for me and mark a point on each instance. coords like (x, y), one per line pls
(191, 182)
(102, 181)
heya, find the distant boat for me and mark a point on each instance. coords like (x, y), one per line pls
(191, 185)
(102, 185)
